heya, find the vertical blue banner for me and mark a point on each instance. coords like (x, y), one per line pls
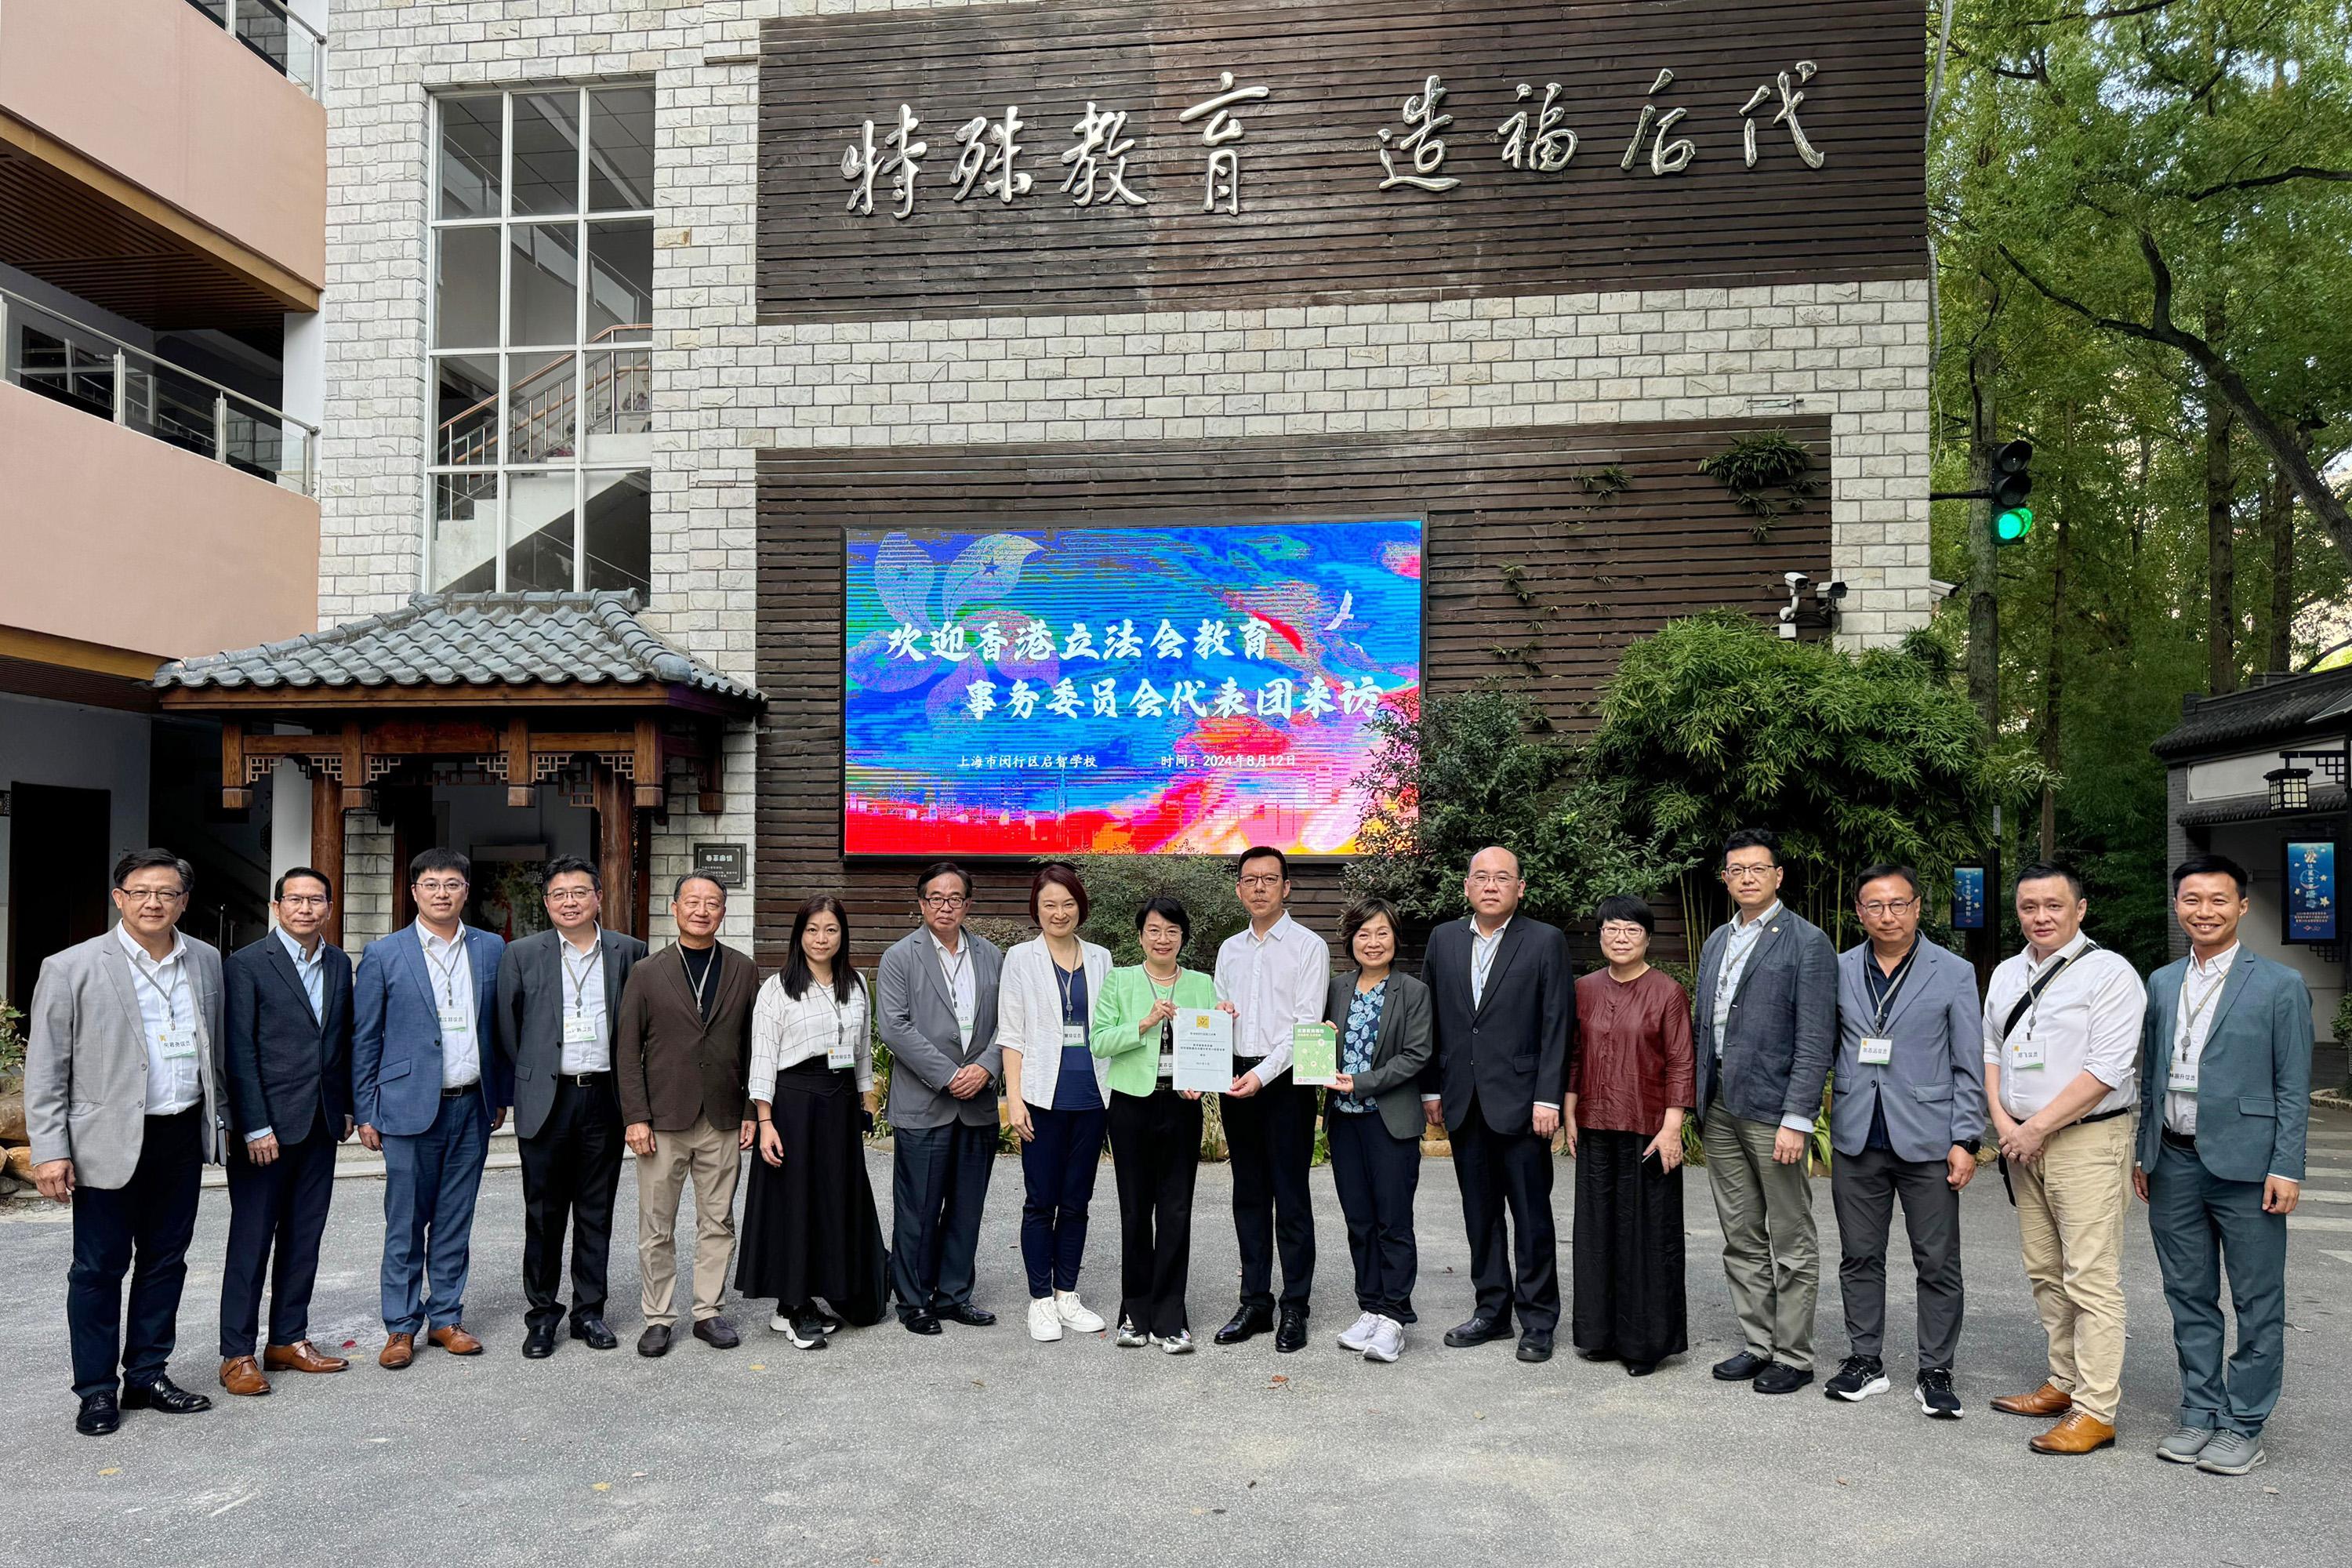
(2311, 891)
(1968, 898)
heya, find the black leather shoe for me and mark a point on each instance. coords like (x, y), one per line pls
(1245, 1324)
(594, 1331)
(655, 1341)
(717, 1332)
(970, 1316)
(1292, 1335)
(1477, 1332)
(1741, 1368)
(165, 1396)
(1536, 1345)
(540, 1343)
(1781, 1378)
(920, 1322)
(99, 1415)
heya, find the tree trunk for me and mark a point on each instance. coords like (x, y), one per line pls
(2278, 525)
(2221, 551)
(1984, 575)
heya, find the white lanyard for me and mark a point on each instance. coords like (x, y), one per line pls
(169, 998)
(2212, 989)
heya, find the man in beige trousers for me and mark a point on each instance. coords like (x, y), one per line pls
(2062, 1028)
(681, 1050)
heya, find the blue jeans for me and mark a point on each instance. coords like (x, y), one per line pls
(1059, 1168)
(2197, 1220)
(430, 1182)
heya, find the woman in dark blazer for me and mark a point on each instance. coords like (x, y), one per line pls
(1373, 1119)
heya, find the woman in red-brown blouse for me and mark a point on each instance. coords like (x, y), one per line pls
(1630, 1085)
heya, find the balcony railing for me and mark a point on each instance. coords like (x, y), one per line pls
(294, 49)
(78, 365)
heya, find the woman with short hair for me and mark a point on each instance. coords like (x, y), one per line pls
(1054, 1095)
(1372, 1120)
(1155, 1128)
(1631, 1080)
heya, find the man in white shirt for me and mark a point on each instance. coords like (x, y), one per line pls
(2062, 1035)
(2225, 1090)
(557, 990)
(1277, 974)
(123, 1108)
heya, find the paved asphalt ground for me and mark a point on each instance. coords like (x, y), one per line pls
(982, 1448)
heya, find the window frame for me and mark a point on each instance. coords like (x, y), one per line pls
(504, 222)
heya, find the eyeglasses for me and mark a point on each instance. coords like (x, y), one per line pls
(1878, 907)
(1492, 879)
(452, 886)
(1262, 883)
(1748, 873)
(1621, 930)
(305, 902)
(944, 900)
(152, 895)
(570, 895)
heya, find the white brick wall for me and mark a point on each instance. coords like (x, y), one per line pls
(725, 387)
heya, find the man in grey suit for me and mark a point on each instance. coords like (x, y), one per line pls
(559, 992)
(2225, 1099)
(1906, 1113)
(122, 1101)
(1766, 1025)
(936, 1000)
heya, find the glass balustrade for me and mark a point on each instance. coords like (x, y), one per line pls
(293, 49)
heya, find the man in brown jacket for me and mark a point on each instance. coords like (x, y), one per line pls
(682, 1048)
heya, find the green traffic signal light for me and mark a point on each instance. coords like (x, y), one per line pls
(2013, 524)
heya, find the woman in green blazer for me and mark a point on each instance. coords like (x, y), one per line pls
(1155, 1128)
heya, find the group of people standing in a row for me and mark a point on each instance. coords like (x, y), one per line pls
(149, 1054)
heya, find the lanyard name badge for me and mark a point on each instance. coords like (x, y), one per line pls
(967, 1010)
(579, 1024)
(839, 1054)
(1072, 1035)
(457, 1022)
(2183, 1076)
(2029, 1056)
(173, 1041)
(1878, 1050)
(1167, 1033)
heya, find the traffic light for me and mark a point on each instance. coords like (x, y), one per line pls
(2013, 520)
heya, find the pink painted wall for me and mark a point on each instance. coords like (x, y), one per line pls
(112, 537)
(163, 97)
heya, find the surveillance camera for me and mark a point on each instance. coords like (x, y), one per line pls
(1795, 579)
(1835, 590)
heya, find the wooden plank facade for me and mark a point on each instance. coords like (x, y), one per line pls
(1313, 224)
(1597, 566)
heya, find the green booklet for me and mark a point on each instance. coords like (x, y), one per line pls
(1314, 1052)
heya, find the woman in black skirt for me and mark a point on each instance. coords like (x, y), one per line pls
(809, 1227)
(1627, 1092)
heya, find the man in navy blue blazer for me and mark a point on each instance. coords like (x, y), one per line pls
(430, 1088)
(287, 1049)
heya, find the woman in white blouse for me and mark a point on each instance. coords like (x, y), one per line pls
(1054, 1094)
(809, 1227)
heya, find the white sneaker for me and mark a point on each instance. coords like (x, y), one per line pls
(1074, 1313)
(1045, 1323)
(1388, 1339)
(781, 1324)
(1178, 1344)
(1359, 1334)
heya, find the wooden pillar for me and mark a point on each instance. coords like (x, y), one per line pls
(648, 765)
(235, 793)
(519, 767)
(616, 848)
(327, 844)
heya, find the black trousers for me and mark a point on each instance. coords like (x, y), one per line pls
(1155, 1147)
(277, 1212)
(149, 1219)
(1377, 1173)
(1862, 1189)
(1627, 1251)
(570, 1167)
(1509, 1173)
(939, 1184)
(1270, 1138)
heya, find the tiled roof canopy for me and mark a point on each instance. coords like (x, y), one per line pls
(2278, 710)
(480, 640)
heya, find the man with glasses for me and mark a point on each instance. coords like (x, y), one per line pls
(1275, 974)
(559, 990)
(122, 1103)
(1907, 1110)
(936, 1007)
(287, 1021)
(1766, 1018)
(429, 1090)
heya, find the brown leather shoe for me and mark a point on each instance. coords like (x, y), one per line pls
(399, 1349)
(2076, 1434)
(239, 1375)
(303, 1356)
(2047, 1400)
(455, 1340)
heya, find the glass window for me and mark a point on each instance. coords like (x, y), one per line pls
(621, 150)
(541, 463)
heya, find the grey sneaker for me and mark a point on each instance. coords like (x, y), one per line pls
(1177, 1343)
(1130, 1337)
(2184, 1444)
(1387, 1341)
(1357, 1335)
(2231, 1454)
